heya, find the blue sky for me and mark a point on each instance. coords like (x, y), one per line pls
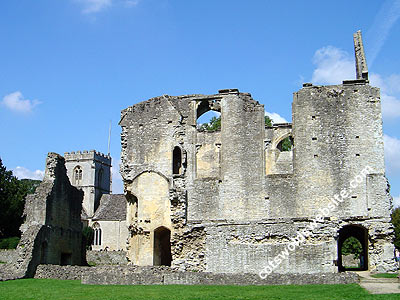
(68, 67)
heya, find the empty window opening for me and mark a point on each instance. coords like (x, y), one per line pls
(357, 154)
(315, 155)
(357, 136)
(353, 248)
(162, 247)
(78, 175)
(314, 138)
(177, 161)
(313, 117)
(286, 144)
(208, 116)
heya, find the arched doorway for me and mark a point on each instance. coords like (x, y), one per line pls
(162, 247)
(353, 241)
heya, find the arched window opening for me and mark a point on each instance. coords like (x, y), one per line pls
(97, 234)
(286, 144)
(177, 161)
(353, 248)
(100, 177)
(209, 116)
(162, 247)
(78, 175)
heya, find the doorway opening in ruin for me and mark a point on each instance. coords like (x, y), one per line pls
(353, 248)
(43, 253)
(162, 247)
(177, 161)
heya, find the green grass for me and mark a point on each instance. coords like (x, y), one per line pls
(2, 262)
(385, 275)
(72, 289)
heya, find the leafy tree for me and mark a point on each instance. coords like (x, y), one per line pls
(396, 223)
(88, 236)
(268, 121)
(352, 246)
(287, 144)
(213, 125)
(12, 201)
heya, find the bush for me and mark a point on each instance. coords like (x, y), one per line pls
(9, 243)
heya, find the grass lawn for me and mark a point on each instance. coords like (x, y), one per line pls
(385, 275)
(72, 289)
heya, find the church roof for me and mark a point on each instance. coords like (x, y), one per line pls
(112, 207)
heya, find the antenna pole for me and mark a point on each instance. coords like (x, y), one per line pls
(109, 138)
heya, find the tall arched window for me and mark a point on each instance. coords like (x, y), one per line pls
(177, 160)
(97, 234)
(78, 175)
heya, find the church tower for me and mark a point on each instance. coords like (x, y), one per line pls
(91, 172)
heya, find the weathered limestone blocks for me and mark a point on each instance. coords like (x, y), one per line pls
(52, 232)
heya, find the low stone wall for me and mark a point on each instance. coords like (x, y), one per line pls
(8, 255)
(62, 272)
(99, 258)
(134, 275)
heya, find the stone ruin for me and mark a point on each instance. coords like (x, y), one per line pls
(230, 201)
(52, 232)
(233, 201)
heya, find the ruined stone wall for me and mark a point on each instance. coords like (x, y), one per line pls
(338, 133)
(277, 161)
(52, 232)
(238, 200)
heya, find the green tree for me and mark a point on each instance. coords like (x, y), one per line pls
(88, 236)
(268, 121)
(213, 125)
(12, 201)
(396, 223)
(287, 144)
(352, 246)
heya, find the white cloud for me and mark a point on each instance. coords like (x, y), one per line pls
(95, 6)
(131, 3)
(392, 154)
(390, 86)
(276, 118)
(396, 201)
(117, 184)
(333, 65)
(21, 173)
(16, 102)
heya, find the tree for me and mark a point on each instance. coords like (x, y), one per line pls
(396, 223)
(12, 201)
(213, 125)
(88, 236)
(268, 121)
(352, 246)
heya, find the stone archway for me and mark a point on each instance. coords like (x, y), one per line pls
(162, 247)
(361, 234)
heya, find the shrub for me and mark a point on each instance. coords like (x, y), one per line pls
(9, 243)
